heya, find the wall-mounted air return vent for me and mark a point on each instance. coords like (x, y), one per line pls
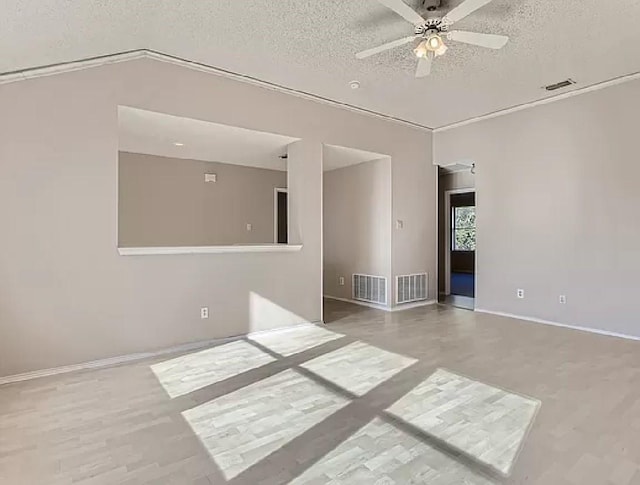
(412, 287)
(560, 85)
(372, 289)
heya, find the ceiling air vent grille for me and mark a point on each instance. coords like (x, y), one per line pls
(560, 85)
(372, 289)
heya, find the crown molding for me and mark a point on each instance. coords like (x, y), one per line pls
(91, 62)
(70, 66)
(551, 99)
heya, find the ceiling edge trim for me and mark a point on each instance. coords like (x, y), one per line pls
(552, 99)
(91, 62)
(69, 66)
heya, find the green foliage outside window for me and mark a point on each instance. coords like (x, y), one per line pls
(464, 229)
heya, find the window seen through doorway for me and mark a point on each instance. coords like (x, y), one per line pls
(463, 237)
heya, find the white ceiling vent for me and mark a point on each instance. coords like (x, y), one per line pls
(411, 287)
(372, 289)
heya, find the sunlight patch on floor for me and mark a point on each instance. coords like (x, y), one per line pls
(243, 427)
(196, 370)
(289, 341)
(263, 313)
(484, 422)
(380, 453)
(358, 367)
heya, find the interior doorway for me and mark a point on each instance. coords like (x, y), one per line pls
(281, 219)
(457, 241)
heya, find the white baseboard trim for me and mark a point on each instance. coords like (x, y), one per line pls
(415, 304)
(405, 306)
(558, 324)
(123, 359)
(357, 302)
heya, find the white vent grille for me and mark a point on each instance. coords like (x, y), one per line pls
(411, 287)
(370, 288)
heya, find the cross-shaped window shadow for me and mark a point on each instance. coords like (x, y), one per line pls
(260, 425)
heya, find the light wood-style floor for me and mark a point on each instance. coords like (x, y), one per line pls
(435, 395)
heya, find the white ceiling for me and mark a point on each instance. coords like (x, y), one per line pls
(334, 157)
(456, 167)
(310, 46)
(152, 133)
(141, 131)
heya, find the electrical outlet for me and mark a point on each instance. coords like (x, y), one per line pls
(204, 312)
(341, 281)
(520, 293)
(563, 299)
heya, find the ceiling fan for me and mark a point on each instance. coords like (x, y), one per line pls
(433, 31)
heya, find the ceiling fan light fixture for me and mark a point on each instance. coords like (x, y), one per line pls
(432, 32)
(434, 42)
(422, 50)
(440, 52)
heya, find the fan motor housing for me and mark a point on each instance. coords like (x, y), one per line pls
(430, 27)
(431, 5)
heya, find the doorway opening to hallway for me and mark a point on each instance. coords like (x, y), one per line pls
(457, 236)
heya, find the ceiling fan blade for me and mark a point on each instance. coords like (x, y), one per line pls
(424, 67)
(402, 9)
(385, 47)
(492, 41)
(465, 8)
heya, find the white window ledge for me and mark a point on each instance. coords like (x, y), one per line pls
(239, 248)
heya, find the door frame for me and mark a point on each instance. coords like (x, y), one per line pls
(276, 191)
(447, 235)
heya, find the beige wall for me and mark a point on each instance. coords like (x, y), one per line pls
(357, 225)
(165, 201)
(414, 197)
(557, 208)
(448, 181)
(68, 297)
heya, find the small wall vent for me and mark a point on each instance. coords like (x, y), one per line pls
(372, 289)
(411, 287)
(560, 85)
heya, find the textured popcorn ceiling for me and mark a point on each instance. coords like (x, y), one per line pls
(310, 46)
